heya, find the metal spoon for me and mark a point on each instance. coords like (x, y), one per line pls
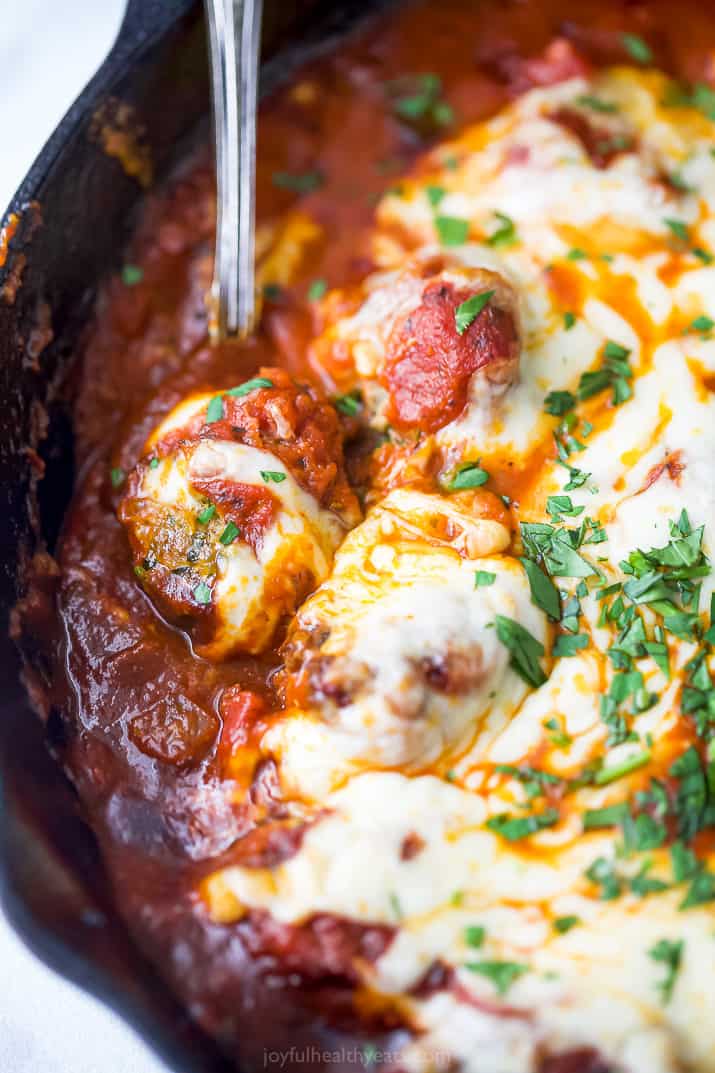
(234, 47)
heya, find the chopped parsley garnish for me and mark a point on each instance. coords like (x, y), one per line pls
(434, 195)
(637, 48)
(273, 476)
(702, 323)
(349, 404)
(202, 594)
(559, 403)
(603, 875)
(617, 771)
(451, 230)
(468, 311)
(557, 736)
(576, 254)
(615, 373)
(533, 779)
(670, 954)
(561, 506)
(608, 816)
(505, 234)
(419, 98)
(483, 578)
(229, 534)
(395, 906)
(117, 476)
(596, 104)
(317, 289)
(702, 255)
(501, 973)
(154, 463)
(131, 275)
(557, 548)
(544, 593)
(678, 228)
(564, 924)
(467, 475)
(204, 516)
(569, 321)
(524, 650)
(248, 386)
(474, 935)
(569, 644)
(214, 410)
(298, 183)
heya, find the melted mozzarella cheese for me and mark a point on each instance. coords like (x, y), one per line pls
(409, 664)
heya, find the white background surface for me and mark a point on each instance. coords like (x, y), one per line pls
(48, 51)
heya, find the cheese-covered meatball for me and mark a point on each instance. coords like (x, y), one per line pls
(425, 341)
(394, 660)
(236, 509)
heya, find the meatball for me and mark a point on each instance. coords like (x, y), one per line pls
(394, 660)
(426, 341)
(235, 511)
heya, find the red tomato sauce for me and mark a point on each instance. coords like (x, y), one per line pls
(147, 727)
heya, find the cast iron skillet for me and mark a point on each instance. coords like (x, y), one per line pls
(69, 222)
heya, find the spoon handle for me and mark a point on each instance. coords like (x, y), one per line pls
(234, 47)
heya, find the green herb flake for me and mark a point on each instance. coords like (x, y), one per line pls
(544, 593)
(229, 534)
(702, 255)
(467, 475)
(637, 48)
(524, 649)
(559, 403)
(474, 935)
(154, 463)
(596, 104)
(569, 645)
(349, 404)
(468, 311)
(395, 906)
(451, 230)
(576, 254)
(557, 736)
(702, 324)
(501, 973)
(678, 229)
(298, 183)
(317, 289)
(202, 594)
(273, 476)
(214, 410)
(514, 828)
(603, 875)
(204, 516)
(569, 321)
(505, 234)
(670, 954)
(483, 578)
(117, 476)
(248, 386)
(617, 771)
(434, 195)
(419, 98)
(563, 924)
(131, 275)
(615, 373)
